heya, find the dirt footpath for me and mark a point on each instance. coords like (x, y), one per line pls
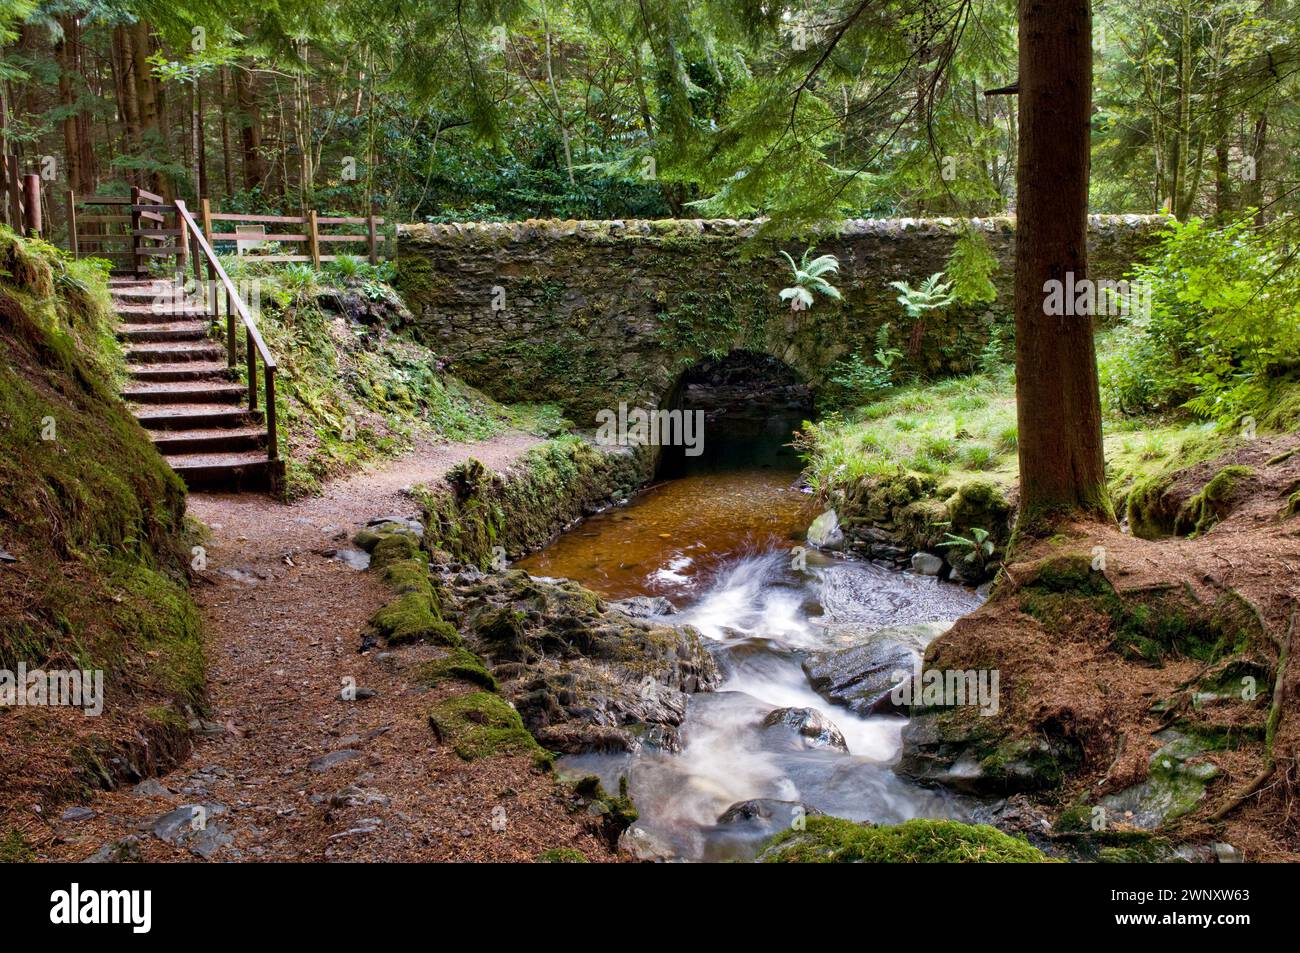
(285, 769)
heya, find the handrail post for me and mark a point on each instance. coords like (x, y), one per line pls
(232, 345)
(32, 224)
(181, 241)
(372, 238)
(196, 255)
(313, 238)
(272, 440)
(252, 371)
(215, 299)
(135, 230)
(182, 244)
(72, 224)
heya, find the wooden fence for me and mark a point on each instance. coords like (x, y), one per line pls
(310, 234)
(128, 231)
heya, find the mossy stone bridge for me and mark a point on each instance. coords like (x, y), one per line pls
(588, 314)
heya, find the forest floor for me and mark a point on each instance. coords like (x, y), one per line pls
(284, 769)
(1079, 675)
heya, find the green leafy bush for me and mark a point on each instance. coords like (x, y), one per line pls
(1223, 332)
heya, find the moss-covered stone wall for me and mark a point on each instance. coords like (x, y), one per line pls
(522, 508)
(586, 314)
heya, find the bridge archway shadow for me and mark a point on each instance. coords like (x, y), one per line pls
(748, 405)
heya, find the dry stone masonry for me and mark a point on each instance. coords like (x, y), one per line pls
(588, 314)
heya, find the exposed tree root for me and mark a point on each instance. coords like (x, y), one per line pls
(1270, 727)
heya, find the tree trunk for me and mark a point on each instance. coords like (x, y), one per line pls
(63, 52)
(200, 141)
(555, 94)
(1254, 188)
(146, 93)
(1182, 198)
(227, 170)
(1058, 408)
(130, 101)
(250, 131)
(1222, 180)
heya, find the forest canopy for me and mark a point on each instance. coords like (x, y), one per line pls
(437, 110)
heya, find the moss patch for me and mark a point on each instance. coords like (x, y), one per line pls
(520, 509)
(481, 725)
(413, 617)
(14, 849)
(1067, 594)
(458, 663)
(1155, 509)
(562, 855)
(829, 840)
(95, 521)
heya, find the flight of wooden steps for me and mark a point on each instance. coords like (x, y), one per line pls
(182, 392)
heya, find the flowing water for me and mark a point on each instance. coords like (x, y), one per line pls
(717, 542)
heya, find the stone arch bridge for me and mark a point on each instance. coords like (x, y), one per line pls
(588, 314)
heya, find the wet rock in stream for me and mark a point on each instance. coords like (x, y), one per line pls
(862, 677)
(809, 727)
(583, 675)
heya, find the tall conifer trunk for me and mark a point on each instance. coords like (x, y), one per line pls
(1058, 408)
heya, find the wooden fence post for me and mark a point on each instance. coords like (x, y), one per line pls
(32, 205)
(371, 237)
(313, 237)
(72, 224)
(182, 246)
(205, 211)
(136, 237)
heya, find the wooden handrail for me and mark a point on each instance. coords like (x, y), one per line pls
(226, 283)
(235, 306)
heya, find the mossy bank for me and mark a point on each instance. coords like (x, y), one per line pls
(95, 550)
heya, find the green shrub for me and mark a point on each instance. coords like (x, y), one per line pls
(1223, 327)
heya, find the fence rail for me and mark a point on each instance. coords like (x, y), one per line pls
(310, 235)
(126, 231)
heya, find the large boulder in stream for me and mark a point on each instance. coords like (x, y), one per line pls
(825, 532)
(862, 677)
(584, 676)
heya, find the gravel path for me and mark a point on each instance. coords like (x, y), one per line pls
(285, 769)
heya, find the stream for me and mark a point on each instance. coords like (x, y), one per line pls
(717, 541)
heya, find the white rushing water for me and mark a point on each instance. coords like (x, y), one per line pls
(762, 616)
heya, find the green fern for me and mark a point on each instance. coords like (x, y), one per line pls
(809, 280)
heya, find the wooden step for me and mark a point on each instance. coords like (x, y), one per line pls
(179, 371)
(231, 471)
(183, 393)
(210, 440)
(186, 392)
(153, 314)
(169, 331)
(196, 416)
(142, 291)
(168, 352)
